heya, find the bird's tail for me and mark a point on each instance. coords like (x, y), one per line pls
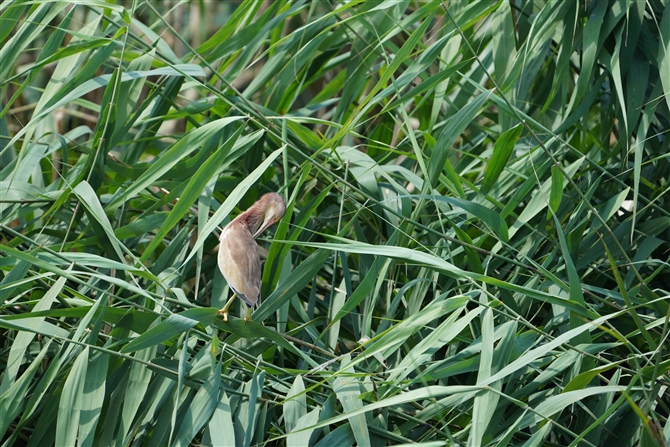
(246, 300)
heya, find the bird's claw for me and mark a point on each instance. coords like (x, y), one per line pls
(223, 314)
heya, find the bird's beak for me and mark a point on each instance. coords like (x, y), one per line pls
(268, 222)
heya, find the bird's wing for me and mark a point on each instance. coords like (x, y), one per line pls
(239, 262)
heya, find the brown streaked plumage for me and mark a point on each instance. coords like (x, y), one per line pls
(238, 258)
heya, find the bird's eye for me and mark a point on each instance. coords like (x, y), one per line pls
(275, 219)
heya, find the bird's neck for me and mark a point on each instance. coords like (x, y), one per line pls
(252, 219)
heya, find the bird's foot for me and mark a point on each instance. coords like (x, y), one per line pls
(224, 311)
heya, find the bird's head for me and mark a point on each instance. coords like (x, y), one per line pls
(271, 208)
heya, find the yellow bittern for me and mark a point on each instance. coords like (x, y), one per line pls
(238, 258)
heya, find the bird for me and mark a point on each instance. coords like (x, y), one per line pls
(238, 257)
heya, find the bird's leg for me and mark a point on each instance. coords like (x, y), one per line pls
(224, 312)
(248, 317)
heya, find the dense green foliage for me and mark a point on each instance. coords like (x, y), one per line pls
(475, 249)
